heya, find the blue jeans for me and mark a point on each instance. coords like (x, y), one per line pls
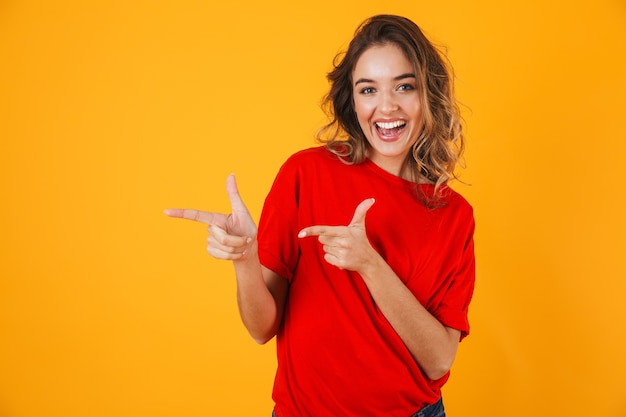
(433, 410)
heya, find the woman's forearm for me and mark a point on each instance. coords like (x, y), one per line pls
(432, 344)
(260, 296)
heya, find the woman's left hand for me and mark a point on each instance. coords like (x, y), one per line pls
(345, 247)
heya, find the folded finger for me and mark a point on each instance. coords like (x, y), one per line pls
(226, 239)
(221, 254)
(214, 243)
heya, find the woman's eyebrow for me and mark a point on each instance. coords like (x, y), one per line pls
(398, 78)
(363, 80)
(403, 76)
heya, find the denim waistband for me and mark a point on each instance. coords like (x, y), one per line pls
(433, 410)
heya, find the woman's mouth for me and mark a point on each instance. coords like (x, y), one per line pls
(390, 130)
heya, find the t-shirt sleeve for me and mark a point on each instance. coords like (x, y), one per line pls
(277, 236)
(453, 310)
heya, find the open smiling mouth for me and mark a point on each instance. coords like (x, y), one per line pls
(390, 130)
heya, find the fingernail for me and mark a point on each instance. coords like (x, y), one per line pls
(302, 234)
(248, 240)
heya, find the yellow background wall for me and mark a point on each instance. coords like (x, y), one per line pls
(111, 111)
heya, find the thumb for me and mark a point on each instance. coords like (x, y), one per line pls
(359, 214)
(236, 203)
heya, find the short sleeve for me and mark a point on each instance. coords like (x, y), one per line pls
(277, 236)
(453, 309)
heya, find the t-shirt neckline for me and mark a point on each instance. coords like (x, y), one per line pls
(394, 179)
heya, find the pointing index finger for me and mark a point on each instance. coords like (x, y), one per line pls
(190, 214)
(317, 231)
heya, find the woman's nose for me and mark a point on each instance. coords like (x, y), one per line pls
(388, 102)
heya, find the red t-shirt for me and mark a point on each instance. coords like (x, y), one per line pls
(337, 354)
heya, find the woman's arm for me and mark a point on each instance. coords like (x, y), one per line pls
(432, 344)
(261, 293)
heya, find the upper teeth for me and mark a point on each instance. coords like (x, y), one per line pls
(390, 125)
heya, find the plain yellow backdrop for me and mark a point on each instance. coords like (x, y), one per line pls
(111, 111)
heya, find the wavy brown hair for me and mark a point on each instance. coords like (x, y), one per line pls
(439, 147)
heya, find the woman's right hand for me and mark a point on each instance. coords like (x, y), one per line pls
(230, 235)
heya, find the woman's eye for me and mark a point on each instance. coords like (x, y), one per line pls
(367, 90)
(405, 87)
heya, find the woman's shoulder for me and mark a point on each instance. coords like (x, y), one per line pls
(456, 203)
(312, 152)
(312, 156)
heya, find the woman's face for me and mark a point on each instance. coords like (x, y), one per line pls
(387, 104)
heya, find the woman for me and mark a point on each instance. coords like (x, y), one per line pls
(363, 264)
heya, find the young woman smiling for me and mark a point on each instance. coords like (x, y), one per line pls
(368, 315)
